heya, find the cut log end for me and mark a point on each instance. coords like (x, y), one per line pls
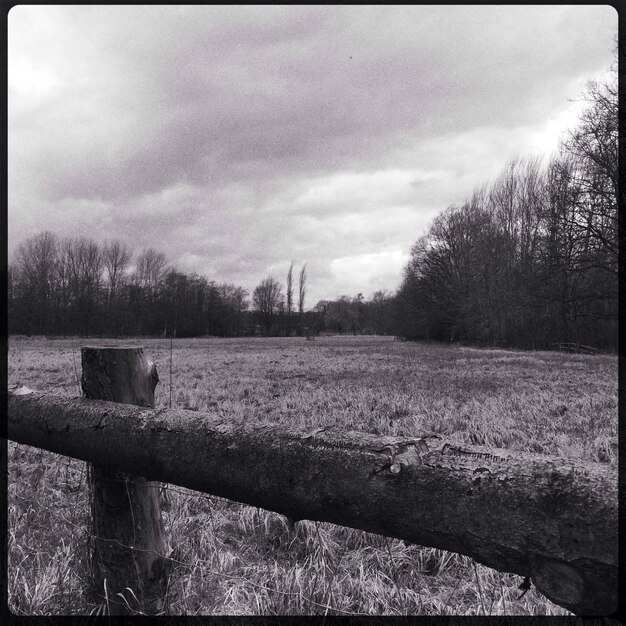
(118, 374)
(559, 582)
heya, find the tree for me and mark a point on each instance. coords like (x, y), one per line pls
(593, 148)
(341, 315)
(235, 303)
(176, 304)
(533, 259)
(148, 279)
(320, 310)
(64, 294)
(150, 271)
(380, 311)
(289, 297)
(594, 145)
(12, 285)
(72, 285)
(35, 259)
(267, 298)
(116, 257)
(358, 310)
(515, 201)
(301, 295)
(18, 302)
(84, 267)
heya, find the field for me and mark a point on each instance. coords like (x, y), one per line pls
(233, 559)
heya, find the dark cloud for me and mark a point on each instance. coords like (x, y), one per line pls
(221, 93)
(222, 119)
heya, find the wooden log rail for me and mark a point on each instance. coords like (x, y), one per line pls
(575, 347)
(548, 518)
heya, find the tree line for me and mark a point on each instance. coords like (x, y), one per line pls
(276, 311)
(531, 259)
(75, 286)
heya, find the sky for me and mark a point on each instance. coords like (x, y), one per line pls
(237, 139)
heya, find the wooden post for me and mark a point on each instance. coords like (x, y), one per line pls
(129, 551)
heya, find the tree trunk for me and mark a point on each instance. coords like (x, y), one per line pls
(549, 518)
(129, 546)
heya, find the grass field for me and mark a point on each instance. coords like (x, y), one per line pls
(233, 559)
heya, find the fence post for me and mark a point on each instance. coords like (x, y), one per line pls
(129, 550)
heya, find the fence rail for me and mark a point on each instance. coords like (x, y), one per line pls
(550, 519)
(574, 347)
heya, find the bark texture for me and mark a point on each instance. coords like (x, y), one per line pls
(129, 547)
(546, 517)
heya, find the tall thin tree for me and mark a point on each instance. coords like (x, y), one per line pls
(301, 294)
(289, 297)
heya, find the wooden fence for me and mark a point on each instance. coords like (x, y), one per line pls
(551, 519)
(574, 347)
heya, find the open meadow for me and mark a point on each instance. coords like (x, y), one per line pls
(234, 559)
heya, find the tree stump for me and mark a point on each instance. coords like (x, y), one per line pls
(129, 551)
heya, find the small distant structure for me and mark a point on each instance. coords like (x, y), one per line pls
(574, 347)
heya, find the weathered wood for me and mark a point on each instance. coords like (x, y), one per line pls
(129, 545)
(546, 517)
(587, 349)
(578, 348)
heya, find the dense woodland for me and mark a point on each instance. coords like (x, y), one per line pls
(532, 258)
(77, 286)
(528, 260)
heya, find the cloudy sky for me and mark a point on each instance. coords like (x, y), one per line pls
(237, 139)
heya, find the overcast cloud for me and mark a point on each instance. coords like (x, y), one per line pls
(236, 139)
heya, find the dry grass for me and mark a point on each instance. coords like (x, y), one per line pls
(233, 559)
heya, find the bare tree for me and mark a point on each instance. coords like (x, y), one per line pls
(593, 146)
(84, 273)
(36, 259)
(151, 269)
(533, 259)
(116, 257)
(234, 303)
(289, 297)
(301, 294)
(341, 314)
(12, 285)
(267, 298)
(380, 310)
(63, 284)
